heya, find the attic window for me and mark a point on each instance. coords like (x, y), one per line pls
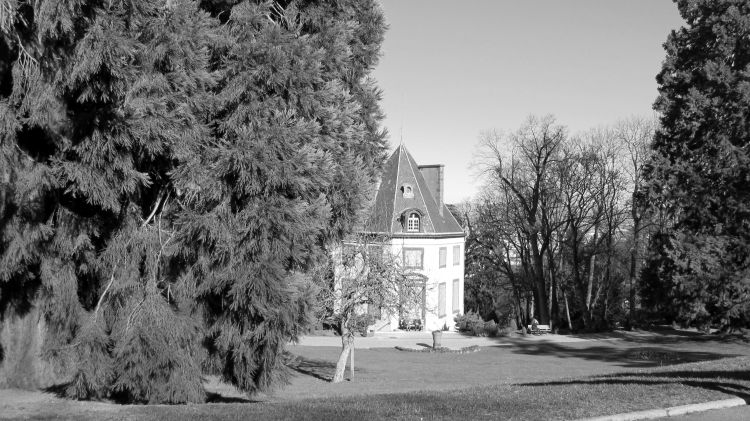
(408, 191)
(412, 222)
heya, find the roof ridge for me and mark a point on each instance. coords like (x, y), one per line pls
(395, 190)
(384, 215)
(416, 180)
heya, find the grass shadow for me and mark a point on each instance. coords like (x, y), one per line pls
(624, 356)
(59, 390)
(320, 369)
(665, 335)
(219, 398)
(731, 382)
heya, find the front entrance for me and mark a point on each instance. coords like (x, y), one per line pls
(412, 314)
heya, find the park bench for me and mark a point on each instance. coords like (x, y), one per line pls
(413, 324)
(540, 329)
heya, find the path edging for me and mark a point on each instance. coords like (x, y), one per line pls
(671, 411)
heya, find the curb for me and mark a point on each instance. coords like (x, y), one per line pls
(671, 411)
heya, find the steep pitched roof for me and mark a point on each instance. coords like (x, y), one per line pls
(391, 203)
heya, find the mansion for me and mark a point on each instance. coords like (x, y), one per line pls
(409, 211)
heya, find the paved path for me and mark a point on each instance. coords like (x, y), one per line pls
(738, 413)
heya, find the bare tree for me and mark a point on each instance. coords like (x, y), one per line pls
(635, 134)
(518, 169)
(556, 211)
(591, 195)
(367, 275)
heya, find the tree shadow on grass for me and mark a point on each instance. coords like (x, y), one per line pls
(667, 335)
(320, 369)
(219, 398)
(59, 390)
(731, 382)
(628, 356)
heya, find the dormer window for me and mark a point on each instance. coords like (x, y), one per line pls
(407, 191)
(412, 222)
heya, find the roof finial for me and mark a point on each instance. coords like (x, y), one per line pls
(403, 96)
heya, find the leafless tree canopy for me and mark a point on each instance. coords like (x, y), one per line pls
(557, 216)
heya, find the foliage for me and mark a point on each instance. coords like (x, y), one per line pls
(170, 173)
(557, 227)
(361, 322)
(567, 207)
(363, 274)
(473, 324)
(485, 292)
(700, 170)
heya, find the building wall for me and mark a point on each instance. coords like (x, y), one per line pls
(435, 276)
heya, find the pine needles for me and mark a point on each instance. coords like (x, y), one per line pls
(173, 173)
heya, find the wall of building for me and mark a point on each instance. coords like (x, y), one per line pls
(435, 276)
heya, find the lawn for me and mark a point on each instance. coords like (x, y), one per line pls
(520, 381)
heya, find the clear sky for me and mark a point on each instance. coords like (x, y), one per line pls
(452, 69)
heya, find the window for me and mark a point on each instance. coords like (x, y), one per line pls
(441, 299)
(456, 296)
(413, 258)
(408, 192)
(412, 223)
(456, 255)
(375, 311)
(443, 256)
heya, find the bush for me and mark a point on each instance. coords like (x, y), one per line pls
(360, 323)
(466, 322)
(473, 324)
(489, 329)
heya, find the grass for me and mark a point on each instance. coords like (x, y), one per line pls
(523, 381)
(562, 399)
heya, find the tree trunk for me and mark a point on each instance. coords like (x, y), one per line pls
(592, 266)
(347, 346)
(554, 308)
(567, 310)
(21, 343)
(5, 184)
(551, 297)
(579, 283)
(633, 261)
(528, 311)
(521, 315)
(540, 290)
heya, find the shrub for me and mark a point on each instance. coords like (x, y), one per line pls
(360, 323)
(489, 329)
(465, 322)
(473, 324)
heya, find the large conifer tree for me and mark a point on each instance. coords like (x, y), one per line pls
(170, 172)
(700, 174)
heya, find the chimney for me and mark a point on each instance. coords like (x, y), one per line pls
(433, 176)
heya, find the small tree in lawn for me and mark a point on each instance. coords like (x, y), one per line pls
(366, 274)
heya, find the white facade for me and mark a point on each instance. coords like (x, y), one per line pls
(440, 306)
(425, 238)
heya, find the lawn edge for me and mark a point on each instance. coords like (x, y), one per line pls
(670, 411)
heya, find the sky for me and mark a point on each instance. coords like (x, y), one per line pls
(452, 69)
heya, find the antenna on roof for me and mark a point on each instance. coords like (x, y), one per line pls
(401, 130)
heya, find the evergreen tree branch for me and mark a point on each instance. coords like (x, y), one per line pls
(153, 211)
(101, 298)
(7, 12)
